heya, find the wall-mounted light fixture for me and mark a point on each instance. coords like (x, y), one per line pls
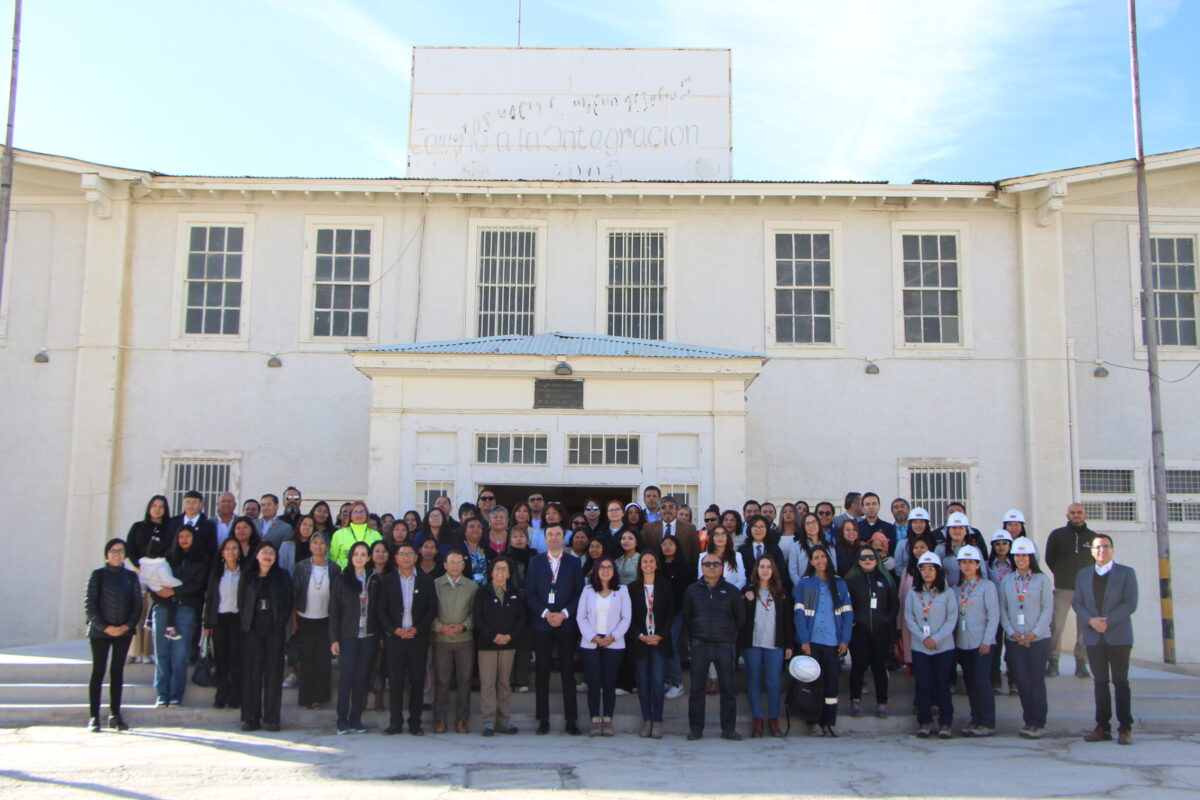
(563, 368)
(872, 368)
(42, 358)
(1100, 371)
(274, 361)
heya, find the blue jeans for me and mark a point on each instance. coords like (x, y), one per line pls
(933, 686)
(600, 667)
(651, 691)
(1027, 668)
(170, 672)
(354, 662)
(674, 667)
(763, 662)
(977, 675)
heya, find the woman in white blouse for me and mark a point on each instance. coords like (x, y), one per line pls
(223, 626)
(604, 617)
(311, 581)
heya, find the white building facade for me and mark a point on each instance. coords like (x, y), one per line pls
(794, 341)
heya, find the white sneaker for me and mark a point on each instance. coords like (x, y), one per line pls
(621, 692)
(581, 687)
(674, 692)
(290, 681)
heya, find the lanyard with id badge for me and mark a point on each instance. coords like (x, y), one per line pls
(554, 567)
(1022, 593)
(965, 600)
(926, 607)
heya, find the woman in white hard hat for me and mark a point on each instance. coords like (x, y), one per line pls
(1000, 565)
(1014, 523)
(978, 620)
(958, 536)
(918, 542)
(930, 616)
(1026, 606)
(823, 618)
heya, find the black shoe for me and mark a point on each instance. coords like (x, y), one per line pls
(392, 730)
(250, 726)
(695, 735)
(732, 736)
(572, 729)
(218, 704)
(543, 728)
(506, 729)
(1081, 670)
(415, 730)
(273, 727)
(94, 724)
(1052, 668)
(116, 723)
(829, 731)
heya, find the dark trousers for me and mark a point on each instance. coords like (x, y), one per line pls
(1111, 662)
(520, 667)
(870, 649)
(720, 655)
(601, 666)
(1027, 668)
(262, 676)
(227, 658)
(406, 663)
(933, 686)
(315, 673)
(977, 675)
(354, 660)
(831, 670)
(545, 644)
(998, 656)
(116, 678)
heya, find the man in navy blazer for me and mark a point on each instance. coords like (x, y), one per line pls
(553, 583)
(1106, 595)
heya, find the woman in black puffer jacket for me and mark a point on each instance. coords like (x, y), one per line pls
(113, 605)
(265, 608)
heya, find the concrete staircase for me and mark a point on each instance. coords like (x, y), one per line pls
(47, 685)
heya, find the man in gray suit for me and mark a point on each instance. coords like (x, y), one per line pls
(1106, 595)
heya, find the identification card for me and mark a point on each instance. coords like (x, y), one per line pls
(550, 599)
(925, 631)
(964, 624)
(874, 603)
(1020, 619)
(264, 605)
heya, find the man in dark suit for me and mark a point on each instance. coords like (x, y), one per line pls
(407, 606)
(553, 583)
(1106, 595)
(689, 539)
(193, 517)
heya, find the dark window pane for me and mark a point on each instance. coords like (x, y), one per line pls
(804, 331)
(341, 268)
(341, 323)
(232, 318)
(949, 246)
(198, 239)
(912, 247)
(821, 272)
(912, 329)
(950, 275)
(929, 246)
(323, 297)
(783, 273)
(1166, 249)
(821, 304)
(213, 292)
(233, 266)
(1187, 277)
(212, 320)
(912, 273)
(912, 303)
(950, 330)
(214, 266)
(233, 240)
(1165, 277)
(1186, 306)
(321, 323)
(195, 265)
(362, 242)
(1166, 306)
(341, 296)
(1187, 333)
(195, 293)
(804, 303)
(929, 303)
(931, 330)
(804, 273)
(361, 297)
(324, 268)
(950, 303)
(929, 274)
(1168, 334)
(783, 302)
(233, 295)
(216, 239)
(343, 241)
(822, 329)
(783, 245)
(362, 268)
(195, 321)
(324, 240)
(804, 245)
(358, 324)
(1185, 252)
(821, 245)
(783, 329)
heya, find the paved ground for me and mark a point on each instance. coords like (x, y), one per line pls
(180, 763)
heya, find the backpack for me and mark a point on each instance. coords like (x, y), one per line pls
(804, 703)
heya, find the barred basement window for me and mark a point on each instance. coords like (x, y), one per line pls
(1183, 489)
(602, 450)
(210, 477)
(510, 449)
(342, 290)
(803, 288)
(1109, 494)
(429, 491)
(214, 280)
(507, 282)
(931, 289)
(933, 488)
(1173, 261)
(637, 281)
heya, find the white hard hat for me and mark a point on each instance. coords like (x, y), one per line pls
(929, 558)
(805, 669)
(957, 519)
(1000, 535)
(919, 513)
(1024, 546)
(970, 553)
(1014, 515)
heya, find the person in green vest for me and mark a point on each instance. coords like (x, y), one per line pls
(356, 531)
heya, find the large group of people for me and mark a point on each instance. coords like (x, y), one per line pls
(424, 607)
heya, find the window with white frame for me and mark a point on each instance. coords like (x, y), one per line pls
(429, 491)
(211, 477)
(1109, 494)
(685, 494)
(637, 284)
(603, 450)
(341, 300)
(803, 288)
(504, 448)
(213, 287)
(1173, 262)
(932, 288)
(1183, 495)
(506, 281)
(933, 488)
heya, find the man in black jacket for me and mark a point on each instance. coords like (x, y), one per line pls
(407, 606)
(193, 517)
(1068, 550)
(714, 613)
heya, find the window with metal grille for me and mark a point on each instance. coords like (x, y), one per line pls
(803, 288)
(214, 280)
(342, 286)
(1111, 510)
(506, 284)
(210, 477)
(1183, 486)
(637, 284)
(931, 289)
(1106, 481)
(602, 450)
(1120, 486)
(429, 491)
(1173, 261)
(1183, 481)
(684, 493)
(506, 448)
(933, 488)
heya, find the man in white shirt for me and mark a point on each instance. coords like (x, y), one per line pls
(226, 506)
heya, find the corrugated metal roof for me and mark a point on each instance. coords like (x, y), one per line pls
(557, 343)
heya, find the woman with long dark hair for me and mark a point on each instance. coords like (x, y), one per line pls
(352, 629)
(246, 535)
(1026, 608)
(930, 616)
(189, 565)
(823, 618)
(323, 521)
(520, 552)
(978, 619)
(876, 605)
(846, 546)
(412, 521)
(265, 607)
(382, 563)
(810, 537)
(312, 586)
(435, 527)
(604, 617)
(152, 525)
(677, 570)
(648, 640)
(223, 623)
(766, 640)
(1000, 566)
(760, 543)
(113, 605)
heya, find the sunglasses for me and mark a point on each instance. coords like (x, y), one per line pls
(487, 497)
(866, 558)
(591, 508)
(710, 519)
(711, 564)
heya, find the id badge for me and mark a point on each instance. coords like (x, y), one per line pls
(964, 624)
(925, 631)
(264, 605)
(1020, 619)
(874, 603)
(550, 598)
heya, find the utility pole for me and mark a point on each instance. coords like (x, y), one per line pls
(6, 164)
(518, 23)
(1150, 314)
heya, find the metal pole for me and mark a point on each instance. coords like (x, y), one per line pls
(1150, 314)
(518, 23)
(6, 164)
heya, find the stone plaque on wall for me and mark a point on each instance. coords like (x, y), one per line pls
(553, 393)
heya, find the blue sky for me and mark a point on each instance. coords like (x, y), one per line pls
(855, 89)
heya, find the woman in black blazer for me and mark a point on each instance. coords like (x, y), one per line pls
(113, 605)
(265, 608)
(766, 640)
(499, 616)
(760, 539)
(648, 640)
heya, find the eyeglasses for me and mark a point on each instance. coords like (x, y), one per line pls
(713, 564)
(487, 497)
(591, 508)
(824, 513)
(710, 519)
(603, 567)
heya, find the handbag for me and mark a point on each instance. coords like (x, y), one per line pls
(205, 673)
